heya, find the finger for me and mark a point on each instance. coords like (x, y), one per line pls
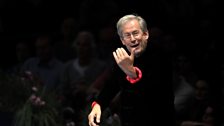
(115, 57)
(124, 53)
(98, 118)
(91, 120)
(92, 124)
(119, 53)
(132, 54)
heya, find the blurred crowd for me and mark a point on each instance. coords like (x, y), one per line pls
(68, 46)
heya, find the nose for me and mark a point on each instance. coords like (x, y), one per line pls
(132, 37)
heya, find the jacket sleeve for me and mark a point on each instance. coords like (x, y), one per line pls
(110, 89)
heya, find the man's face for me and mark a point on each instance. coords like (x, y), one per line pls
(43, 49)
(133, 37)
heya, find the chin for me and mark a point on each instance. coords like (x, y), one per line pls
(137, 54)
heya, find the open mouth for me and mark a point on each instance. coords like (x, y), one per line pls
(134, 46)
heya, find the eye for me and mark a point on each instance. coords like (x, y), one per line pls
(127, 35)
(135, 33)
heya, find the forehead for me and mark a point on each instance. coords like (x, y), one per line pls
(84, 37)
(131, 26)
(42, 42)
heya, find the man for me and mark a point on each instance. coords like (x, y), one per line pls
(45, 66)
(145, 84)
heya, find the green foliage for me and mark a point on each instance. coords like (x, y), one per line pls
(32, 114)
(13, 92)
(26, 97)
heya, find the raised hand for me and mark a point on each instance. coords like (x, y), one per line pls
(125, 61)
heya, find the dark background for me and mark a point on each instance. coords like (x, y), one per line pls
(24, 18)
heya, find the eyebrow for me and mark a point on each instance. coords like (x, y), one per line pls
(131, 32)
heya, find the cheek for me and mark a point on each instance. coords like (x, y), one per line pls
(122, 41)
(125, 43)
(143, 44)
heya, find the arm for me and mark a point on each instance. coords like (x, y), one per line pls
(107, 93)
(139, 76)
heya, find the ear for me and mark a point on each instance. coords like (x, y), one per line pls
(146, 34)
(122, 40)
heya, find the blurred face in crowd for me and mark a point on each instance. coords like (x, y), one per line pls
(84, 44)
(201, 89)
(43, 48)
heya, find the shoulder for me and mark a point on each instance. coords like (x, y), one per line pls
(56, 64)
(31, 61)
(70, 63)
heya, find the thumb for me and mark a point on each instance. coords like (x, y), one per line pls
(98, 118)
(132, 56)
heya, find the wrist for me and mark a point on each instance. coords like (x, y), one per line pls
(136, 79)
(93, 104)
(133, 73)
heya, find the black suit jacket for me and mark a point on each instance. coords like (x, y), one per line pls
(149, 102)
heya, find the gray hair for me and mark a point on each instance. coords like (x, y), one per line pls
(127, 18)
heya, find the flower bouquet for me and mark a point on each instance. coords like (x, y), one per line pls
(40, 107)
